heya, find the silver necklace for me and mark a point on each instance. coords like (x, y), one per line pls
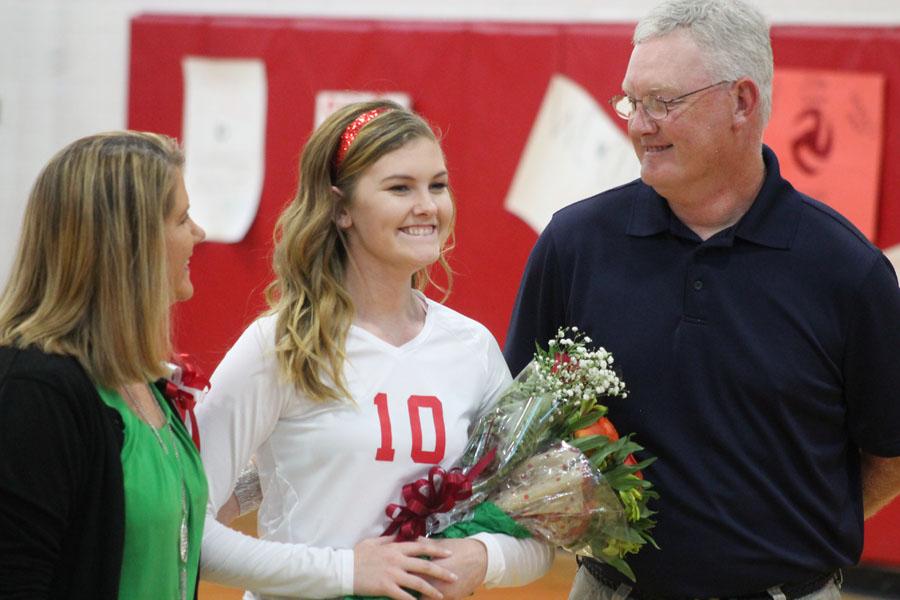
(137, 407)
(183, 540)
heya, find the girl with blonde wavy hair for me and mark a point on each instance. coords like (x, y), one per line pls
(102, 493)
(355, 382)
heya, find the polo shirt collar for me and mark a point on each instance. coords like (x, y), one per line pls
(775, 214)
(771, 221)
(650, 213)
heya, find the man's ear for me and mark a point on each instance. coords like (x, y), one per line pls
(342, 215)
(747, 99)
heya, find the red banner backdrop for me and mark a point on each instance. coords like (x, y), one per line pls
(481, 84)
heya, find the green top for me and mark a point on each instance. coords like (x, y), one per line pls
(153, 476)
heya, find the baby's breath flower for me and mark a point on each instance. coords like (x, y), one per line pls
(572, 370)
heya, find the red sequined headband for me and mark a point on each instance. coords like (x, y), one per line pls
(353, 130)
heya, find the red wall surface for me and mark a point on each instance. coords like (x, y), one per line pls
(481, 84)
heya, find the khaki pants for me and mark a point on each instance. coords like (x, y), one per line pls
(586, 587)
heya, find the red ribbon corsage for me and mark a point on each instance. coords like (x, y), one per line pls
(185, 386)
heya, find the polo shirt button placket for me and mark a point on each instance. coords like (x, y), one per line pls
(695, 294)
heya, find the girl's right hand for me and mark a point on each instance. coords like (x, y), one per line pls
(383, 567)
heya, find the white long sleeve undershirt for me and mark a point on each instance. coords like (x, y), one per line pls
(324, 490)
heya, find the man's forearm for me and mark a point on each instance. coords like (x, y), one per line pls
(880, 482)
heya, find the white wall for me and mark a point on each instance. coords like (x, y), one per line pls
(63, 63)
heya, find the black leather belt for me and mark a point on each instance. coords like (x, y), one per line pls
(791, 591)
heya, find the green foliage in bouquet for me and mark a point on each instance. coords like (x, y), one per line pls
(558, 397)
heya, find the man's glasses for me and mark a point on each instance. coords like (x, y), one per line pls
(656, 108)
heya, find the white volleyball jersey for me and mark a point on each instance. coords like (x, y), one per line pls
(328, 470)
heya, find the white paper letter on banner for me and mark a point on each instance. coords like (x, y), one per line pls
(224, 143)
(574, 151)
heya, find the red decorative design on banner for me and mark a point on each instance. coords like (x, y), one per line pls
(825, 126)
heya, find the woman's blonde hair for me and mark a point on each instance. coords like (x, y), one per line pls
(313, 308)
(90, 276)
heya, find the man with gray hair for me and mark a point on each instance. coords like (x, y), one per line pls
(756, 328)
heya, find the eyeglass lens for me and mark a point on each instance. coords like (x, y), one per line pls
(626, 106)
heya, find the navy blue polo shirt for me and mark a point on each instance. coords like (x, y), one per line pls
(759, 362)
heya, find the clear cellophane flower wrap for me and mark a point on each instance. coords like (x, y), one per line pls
(511, 431)
(539, 456)
(561, 498)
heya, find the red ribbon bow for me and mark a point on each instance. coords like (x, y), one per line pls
(438, 493)
(182, 388)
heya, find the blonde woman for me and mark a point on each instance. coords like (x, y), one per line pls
(102, 492)
(355, 382)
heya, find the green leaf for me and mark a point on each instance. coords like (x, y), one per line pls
(630, 535)
(591, 442)
(587, 419)
(628, 447)
(645, 463)
(604, 447)
(621, 566)
(617, 476)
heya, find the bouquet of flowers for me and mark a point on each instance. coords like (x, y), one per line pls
(545, 461)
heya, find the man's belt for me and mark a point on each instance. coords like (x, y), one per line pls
(791, 591)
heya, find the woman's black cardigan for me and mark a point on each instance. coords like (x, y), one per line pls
(61, 489)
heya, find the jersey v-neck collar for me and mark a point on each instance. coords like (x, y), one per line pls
(416, 341)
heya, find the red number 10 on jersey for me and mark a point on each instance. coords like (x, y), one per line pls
(414, 404)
